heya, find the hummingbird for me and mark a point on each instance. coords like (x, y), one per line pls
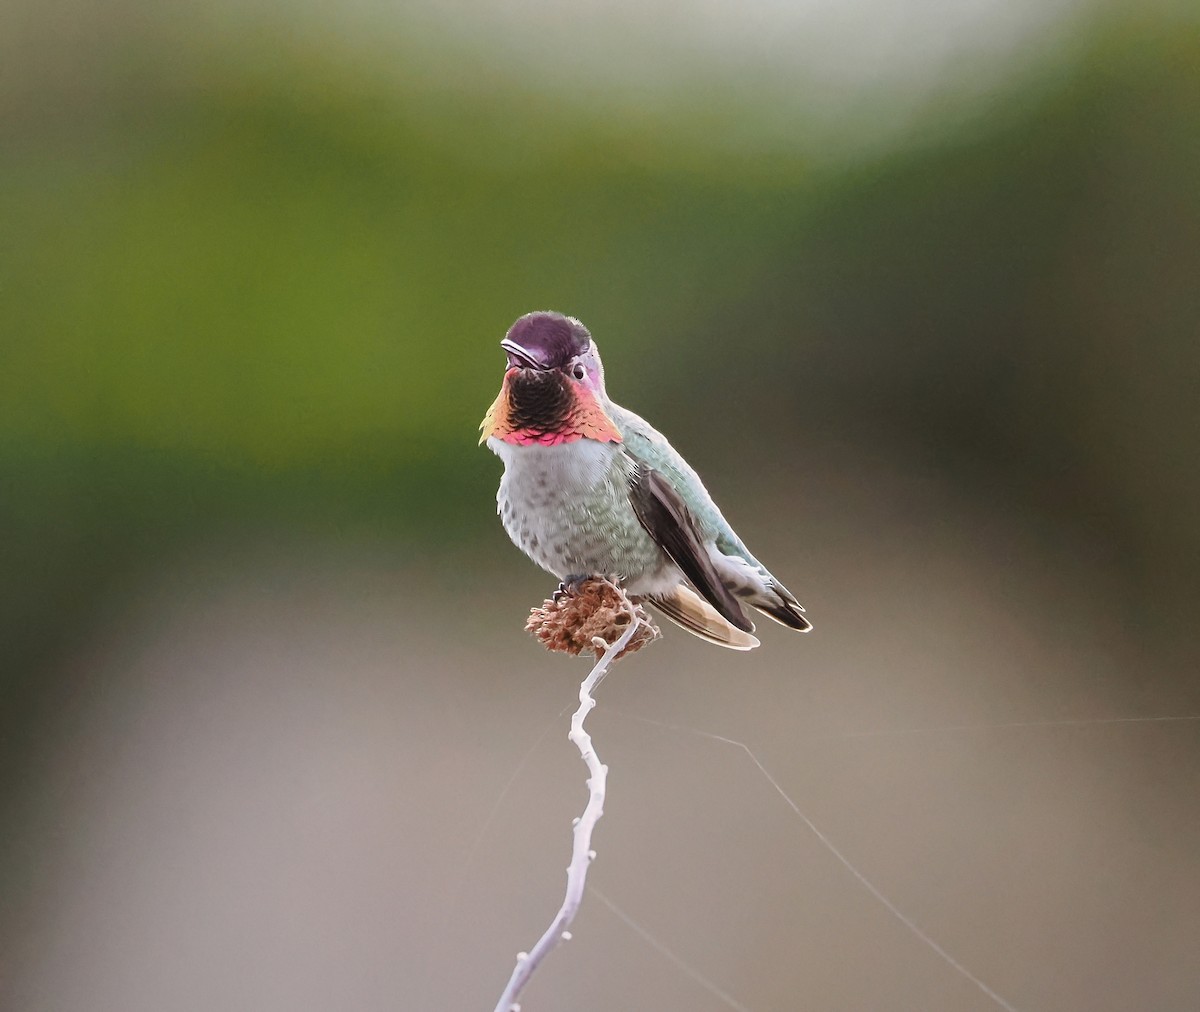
(591, 489)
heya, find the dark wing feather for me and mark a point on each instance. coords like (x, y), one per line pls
(670, 523)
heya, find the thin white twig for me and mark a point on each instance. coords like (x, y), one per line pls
(581, 851)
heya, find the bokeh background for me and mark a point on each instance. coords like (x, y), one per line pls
(914, 286)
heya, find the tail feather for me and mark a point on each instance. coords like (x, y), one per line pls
(784, 610)
(759, 589)
(686, 608)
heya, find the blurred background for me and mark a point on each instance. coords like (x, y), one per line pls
(914, 287)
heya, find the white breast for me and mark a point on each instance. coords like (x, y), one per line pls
(573, 468)
(549, 496)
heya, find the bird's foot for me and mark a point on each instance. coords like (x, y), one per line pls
(569, 587)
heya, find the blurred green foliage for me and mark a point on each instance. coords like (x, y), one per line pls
(269, 297)
(269, 279)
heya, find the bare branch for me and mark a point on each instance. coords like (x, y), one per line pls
(581, 850)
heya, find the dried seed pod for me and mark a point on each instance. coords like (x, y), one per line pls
(594, 609)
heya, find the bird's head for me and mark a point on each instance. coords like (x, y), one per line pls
(553, 389)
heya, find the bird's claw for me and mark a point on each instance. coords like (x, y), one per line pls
(569, 587)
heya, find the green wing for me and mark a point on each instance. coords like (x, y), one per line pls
(648, 444)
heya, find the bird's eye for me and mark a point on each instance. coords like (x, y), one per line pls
(578, 372)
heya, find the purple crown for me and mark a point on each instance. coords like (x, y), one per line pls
(550, 339)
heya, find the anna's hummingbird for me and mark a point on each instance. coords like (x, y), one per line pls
(591, 489)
